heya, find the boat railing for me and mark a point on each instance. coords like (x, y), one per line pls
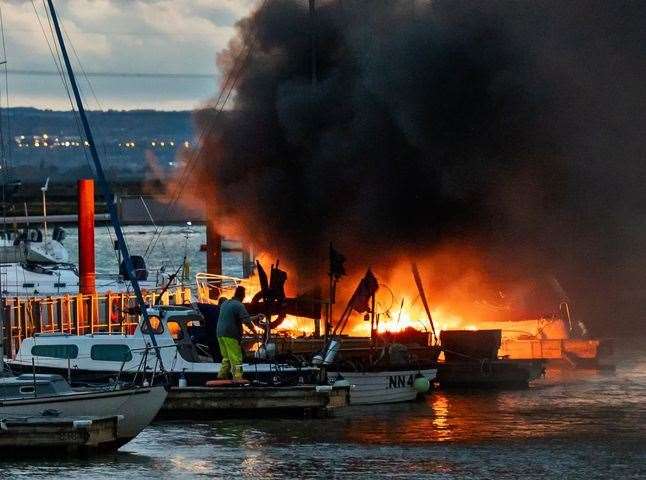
(143, 368)
(210, 287)
(79, 314)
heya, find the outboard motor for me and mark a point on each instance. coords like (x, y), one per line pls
(34, 235)
(58, 234)
(328, 356)
(139, 265)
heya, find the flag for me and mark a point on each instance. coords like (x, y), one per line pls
(337, 270)
(364, 292)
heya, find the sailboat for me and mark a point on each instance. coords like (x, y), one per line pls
(35, 263)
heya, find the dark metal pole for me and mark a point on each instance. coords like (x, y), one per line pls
(422, 295)
(107, 194)
(328, 316)
(312, 4)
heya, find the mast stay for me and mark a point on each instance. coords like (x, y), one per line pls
(105, 187)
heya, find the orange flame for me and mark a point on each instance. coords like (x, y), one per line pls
(459, 293)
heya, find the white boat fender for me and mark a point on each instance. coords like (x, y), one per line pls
(421, 384)
(82, 423)
(120, 418)
(182, 382)
(323, 388)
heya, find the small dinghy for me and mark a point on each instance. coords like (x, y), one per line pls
(38, 394)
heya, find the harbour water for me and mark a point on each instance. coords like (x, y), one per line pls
(581, 425)
(166, 249)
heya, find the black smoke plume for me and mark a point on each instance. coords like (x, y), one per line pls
(516, 128)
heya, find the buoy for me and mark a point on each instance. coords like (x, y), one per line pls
(421, 384)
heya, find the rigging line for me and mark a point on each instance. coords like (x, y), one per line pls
(59, 66)
(56, 59)
(195, 157)
(96, 99)
(206, 131)
(6, 150)
(78, 60)
(152, 220)
(49, 46)
(103, 145)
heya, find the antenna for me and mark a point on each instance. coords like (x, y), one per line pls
(44, 190)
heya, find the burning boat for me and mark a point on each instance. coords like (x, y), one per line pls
(471, 361)
(379, 370)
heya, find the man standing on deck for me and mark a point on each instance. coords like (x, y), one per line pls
(232, 315)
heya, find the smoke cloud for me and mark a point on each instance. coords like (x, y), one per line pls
(511, 128)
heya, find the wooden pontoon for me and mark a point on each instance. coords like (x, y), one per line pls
(241, 400)
(42, 435)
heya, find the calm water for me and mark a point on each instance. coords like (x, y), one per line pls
(571, 426)
(167, 250)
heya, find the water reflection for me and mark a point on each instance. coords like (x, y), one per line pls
(581, 425)
(440, 405)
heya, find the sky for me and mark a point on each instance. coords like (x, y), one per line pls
(157, 54)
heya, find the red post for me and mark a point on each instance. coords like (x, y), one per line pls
(85, 192)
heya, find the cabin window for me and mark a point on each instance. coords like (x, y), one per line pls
(27, 390)
(175, 330)
(55, 351)
(155, 323)
(111, 353)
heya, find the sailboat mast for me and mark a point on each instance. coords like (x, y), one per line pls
(105, 187)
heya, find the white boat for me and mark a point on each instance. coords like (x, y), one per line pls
(100, 357)
(51, 395)
(31, 265)
(371, 388)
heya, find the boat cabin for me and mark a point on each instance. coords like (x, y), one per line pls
(33, 385)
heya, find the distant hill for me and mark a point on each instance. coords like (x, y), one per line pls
(111, 124)
(41, 143)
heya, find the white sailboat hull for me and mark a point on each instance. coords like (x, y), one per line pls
(136, 407)
(19, 281)
(371, 388)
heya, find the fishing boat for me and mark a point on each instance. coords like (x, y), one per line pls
(471, 361)
(377, 372)
(372, 388)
